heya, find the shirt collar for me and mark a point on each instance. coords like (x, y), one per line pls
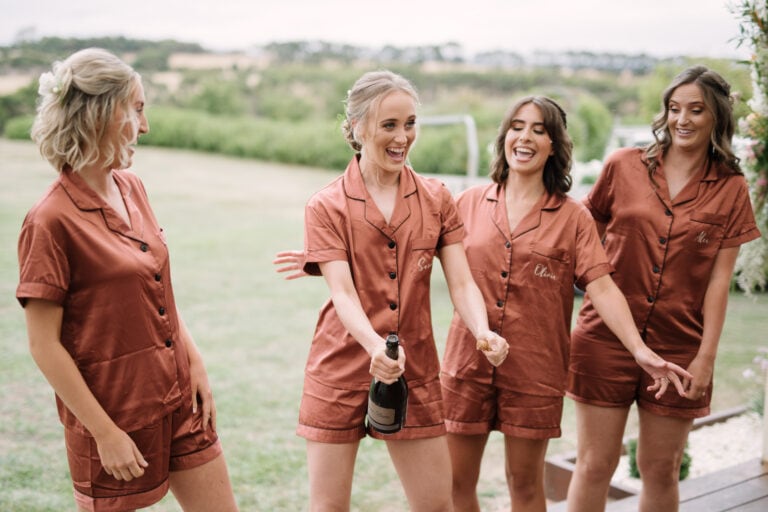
(354, 186)
(86, 199)
(495, 192)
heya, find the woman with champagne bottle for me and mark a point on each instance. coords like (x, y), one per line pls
(373, 234)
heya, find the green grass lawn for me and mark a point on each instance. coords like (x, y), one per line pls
(225, 219)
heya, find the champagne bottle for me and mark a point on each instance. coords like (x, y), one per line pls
(387, 403)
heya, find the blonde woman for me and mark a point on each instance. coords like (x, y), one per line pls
(95, 283)
(373, 234)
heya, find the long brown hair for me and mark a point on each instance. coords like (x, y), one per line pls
(717, 98)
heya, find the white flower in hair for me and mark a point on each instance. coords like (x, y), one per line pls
(48, 84)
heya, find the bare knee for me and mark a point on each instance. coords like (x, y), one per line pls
(596, 469)
(660, 470)
(525, 486)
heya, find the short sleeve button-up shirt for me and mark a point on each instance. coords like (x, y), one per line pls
(526, 278)
(391, 264)
(113, 281)
(664, 249)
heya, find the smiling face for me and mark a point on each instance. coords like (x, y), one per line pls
(127, 123)
(689, 121)
(388, 134)
(527, 145)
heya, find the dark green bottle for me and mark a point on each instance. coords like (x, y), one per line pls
(387, 403)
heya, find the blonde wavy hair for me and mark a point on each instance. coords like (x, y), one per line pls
(364, 97)
(78, 100)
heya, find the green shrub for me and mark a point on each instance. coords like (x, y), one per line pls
(634, 472)
(19, 127)
(590, 128)
(440, 150)
(311, 143)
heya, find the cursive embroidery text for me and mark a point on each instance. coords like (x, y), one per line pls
(702, 238)
(542, 270)
(424, 264)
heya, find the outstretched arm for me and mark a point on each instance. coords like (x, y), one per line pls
(117, 451)
(612, 307)
(352, 315)
(469, 303)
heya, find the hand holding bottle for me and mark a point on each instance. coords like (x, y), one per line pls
(493, 346)
(385, 369)
(387, 403)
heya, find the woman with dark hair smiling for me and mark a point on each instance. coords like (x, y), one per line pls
(527, 243)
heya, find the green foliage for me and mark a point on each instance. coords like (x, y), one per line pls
(42, 52)
(590, 128)
(19, 103)
(752, 263)
(218, 97)
(440, 150)
(317, 144)
(19, 127)
(307, 82)
(634, 472)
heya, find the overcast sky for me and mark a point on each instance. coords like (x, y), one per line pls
(656, 27)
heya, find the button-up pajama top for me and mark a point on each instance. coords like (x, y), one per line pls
(391, 265)
(664, 249)
(526, 278)
(113, 281)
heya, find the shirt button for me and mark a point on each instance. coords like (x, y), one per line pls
(650, 299)
(662, 240)
(507, 245)
(667, 212)
(168, 343)
(392, 275)
(144, 247)
(656, 269)
(393, 306)
(391, 244)
(161, 311)
(158, 277)
(500, 304)
(504, 274)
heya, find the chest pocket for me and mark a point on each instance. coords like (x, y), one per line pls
(705, 233)
(549, 265)
(423, 252)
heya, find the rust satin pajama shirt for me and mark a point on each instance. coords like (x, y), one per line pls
(120, 326)
(663, 251)
(526, 278)
(391, 265)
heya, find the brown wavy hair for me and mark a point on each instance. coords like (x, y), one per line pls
(557, 169)
(718, 100)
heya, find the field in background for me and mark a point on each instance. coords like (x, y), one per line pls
(225, 218)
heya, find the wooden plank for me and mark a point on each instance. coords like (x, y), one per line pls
(728, 498)
(760, 505)
(722, 479)
(727, 489)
